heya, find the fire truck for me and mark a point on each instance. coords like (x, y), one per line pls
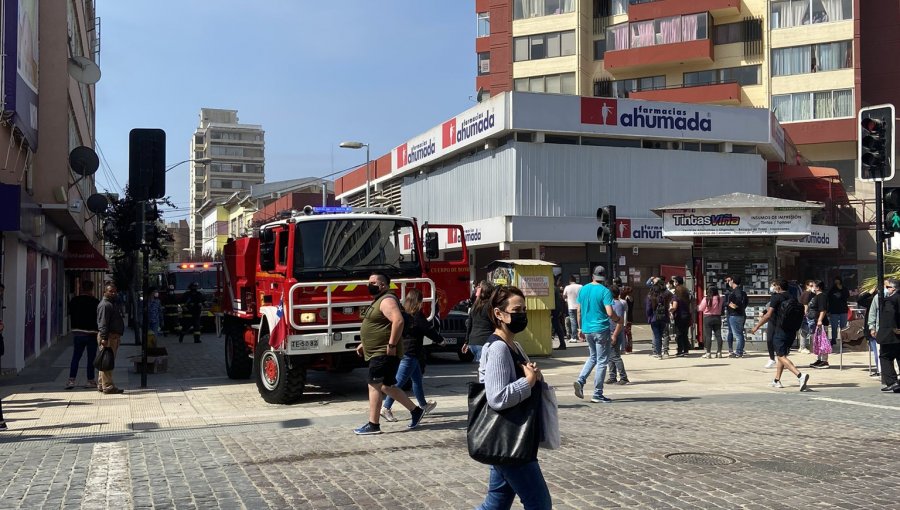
(296, 292)
(178, 277)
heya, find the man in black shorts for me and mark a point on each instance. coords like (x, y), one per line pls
(781, 339)
(380, 332)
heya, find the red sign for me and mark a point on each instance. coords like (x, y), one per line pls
(623, 229)
(401, 156)
(449, 133)
(599, 110)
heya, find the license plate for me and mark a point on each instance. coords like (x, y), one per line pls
(304, 345)
(348, 310)
(450, 341)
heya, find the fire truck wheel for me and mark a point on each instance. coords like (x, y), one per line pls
(276, 381)
(237, 360)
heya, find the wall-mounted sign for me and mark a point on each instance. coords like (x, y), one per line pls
(737, 222)
(535, 285)
(821, 236)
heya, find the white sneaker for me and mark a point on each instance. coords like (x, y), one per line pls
(803, 380)
(707, 355)
(387, 414)
(770, 364)
(805, 351)
(776, 384)
(429, 406)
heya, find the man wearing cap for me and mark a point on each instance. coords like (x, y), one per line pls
(595, 313)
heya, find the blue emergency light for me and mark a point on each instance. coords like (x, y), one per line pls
(332, 210)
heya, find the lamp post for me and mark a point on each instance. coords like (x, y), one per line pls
(360, 145)
(202, 161)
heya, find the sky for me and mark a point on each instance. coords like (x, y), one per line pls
(312, 73)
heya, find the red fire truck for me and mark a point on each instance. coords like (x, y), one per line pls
(295, 294)
(175, 282)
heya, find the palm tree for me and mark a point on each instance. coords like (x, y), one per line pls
(891, 270)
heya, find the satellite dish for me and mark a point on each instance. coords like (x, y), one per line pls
(84, 161)
(84, 70)
(479, 96)
(97, 203)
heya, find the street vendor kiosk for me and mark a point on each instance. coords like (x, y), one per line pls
(738, 235)
(535, 279)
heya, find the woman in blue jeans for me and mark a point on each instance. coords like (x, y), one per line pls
(508, 377)
(657, 309)
(413, 350)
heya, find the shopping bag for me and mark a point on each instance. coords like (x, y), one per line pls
(549, 418)
(821, 343)
(105, 360)
(502, 437)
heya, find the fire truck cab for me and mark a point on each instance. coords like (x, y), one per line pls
(296, 294)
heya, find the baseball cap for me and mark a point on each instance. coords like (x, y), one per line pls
(600, 274)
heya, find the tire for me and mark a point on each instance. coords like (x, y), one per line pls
(276, 381)
(238, 363)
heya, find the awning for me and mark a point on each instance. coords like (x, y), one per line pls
(81, 256)
(817, 183)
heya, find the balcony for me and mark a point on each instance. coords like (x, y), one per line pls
(642, 10)
(717, 93)
(658, 42)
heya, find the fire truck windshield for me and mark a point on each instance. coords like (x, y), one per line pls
(333, 248)
(182, 279)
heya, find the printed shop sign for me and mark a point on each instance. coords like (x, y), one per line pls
(535, 285)
(737, 222)
(821, 236)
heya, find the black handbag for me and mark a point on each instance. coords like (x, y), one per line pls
(105, 360)
(510, 436)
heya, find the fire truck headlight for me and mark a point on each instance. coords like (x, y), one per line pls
(306, 318)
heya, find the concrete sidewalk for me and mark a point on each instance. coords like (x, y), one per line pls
(196, 393)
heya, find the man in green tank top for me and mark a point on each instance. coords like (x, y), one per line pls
(380, 333)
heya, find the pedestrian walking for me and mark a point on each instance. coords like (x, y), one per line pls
(816, 314)
(806, 331)
(872, 320)
(626, 294)
(380, 332)
(711, 308)
(837, 309)
(595, 315)
(681, 315)
(508, 377)
(888, 339)
(110, 327)
(156, 312)
(736, 315)
(570, 292)
(785, 315)
(413, 349)
(479, 326)
(83, 320)
(192, 306)
(616, 366)
(558, 318)
(657, 308)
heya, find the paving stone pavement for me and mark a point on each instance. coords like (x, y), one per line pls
(195, 439)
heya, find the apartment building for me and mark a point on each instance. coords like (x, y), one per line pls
(48, 238)
(813, 63)
(233, 157)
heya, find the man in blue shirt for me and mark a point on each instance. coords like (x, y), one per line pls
(595, 315)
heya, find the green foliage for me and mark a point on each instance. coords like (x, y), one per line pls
(891, 270)
(122, 223)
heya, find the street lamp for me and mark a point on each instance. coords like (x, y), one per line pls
(360, 145)
(202, 161)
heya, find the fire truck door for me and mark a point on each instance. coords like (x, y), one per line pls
(447, 267)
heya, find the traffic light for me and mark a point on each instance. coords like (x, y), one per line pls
(147, 163)
(891, 204)
(606, 232)
(875, 143)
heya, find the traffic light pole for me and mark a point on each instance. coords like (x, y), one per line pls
(879, 238)
(145, 251)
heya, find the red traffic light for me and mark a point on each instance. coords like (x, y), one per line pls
(870, 124)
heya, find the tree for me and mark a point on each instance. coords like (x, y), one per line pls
(121, 228)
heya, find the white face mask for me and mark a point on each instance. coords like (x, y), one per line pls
(772, 289)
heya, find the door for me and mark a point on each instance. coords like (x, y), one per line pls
(451, 277)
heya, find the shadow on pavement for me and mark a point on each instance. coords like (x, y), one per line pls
(655, 399)
(655, 381)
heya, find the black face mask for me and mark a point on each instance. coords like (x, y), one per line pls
(518, 321)
(374, 289)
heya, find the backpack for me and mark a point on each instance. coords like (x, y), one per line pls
(661, 313)
(790, 315)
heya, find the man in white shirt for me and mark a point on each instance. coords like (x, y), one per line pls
(571, 294)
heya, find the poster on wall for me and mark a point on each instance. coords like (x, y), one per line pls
(45, 302)
(535, 285)
(20, 88)
(30, 301)
(737, 222)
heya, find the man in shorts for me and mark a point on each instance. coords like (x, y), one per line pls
(381, 330)
(781, 339)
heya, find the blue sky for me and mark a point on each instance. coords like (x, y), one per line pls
(311, 73)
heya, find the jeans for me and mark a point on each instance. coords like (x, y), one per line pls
(873, 346)
(712, 326)
(81, 342)
(616, 366)
(736, 327)
(476, 350)
(660, 333)
(838, 322)
(599, 345)
(573, 323)
(409, 368)
(524, 480)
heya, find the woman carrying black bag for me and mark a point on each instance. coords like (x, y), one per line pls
(508, 380)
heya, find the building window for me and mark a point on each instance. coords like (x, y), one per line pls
(619, 7)
(622, 88)
(523, 9)
(802, 106)
(484, 63)
(554, 84)
(812, 58)
(539, 46)
(483, 24)
(728, 33)
(746, 75)
(642, 34)
(795, 13)
(599, 49)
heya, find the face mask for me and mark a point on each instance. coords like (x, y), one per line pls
(886, 293)
(374, 289)
(517, 322)
(771, 288)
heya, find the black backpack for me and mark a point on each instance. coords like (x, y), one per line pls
(790, 315)
(661, 313)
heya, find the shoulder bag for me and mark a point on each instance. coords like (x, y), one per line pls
(105, 360)
(510, 436)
